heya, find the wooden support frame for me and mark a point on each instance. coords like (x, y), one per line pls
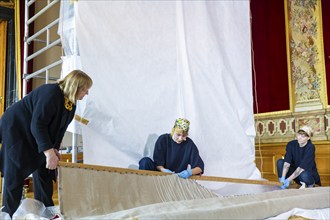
(155, 173)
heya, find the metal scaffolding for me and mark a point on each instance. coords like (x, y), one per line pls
(46, 40)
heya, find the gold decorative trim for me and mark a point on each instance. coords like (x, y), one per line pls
(272, 114)
(7, 4)
(287, 37)
(18, 49)
(276, 144)
(326, 100)
(68, 104)
(3, 40)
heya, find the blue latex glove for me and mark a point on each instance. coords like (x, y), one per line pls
(285, 184)
(167, 171)
(282, 179)
(186, 173)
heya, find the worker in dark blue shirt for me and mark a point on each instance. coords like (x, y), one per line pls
(175, 153)
(31, 131)
(299, 161)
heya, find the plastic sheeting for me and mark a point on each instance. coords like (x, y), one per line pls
(71, 60)
(155, 61)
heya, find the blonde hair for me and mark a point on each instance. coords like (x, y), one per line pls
(73, 83)
(179, 130)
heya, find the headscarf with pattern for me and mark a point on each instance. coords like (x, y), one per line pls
(182, 124)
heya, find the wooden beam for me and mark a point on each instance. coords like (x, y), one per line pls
(236, 180)
(156, 173)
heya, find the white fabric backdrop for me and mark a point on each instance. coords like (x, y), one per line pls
(71, 60)
(155, 61)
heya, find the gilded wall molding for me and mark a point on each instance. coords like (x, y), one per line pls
(7, 4)
(306, 55)
(282, 128)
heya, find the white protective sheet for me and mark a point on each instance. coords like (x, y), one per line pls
(155, 61)
(33, 209)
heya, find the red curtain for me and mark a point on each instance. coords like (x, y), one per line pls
(326, 38)
(269, 56)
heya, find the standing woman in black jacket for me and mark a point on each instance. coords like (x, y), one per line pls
(31, 132)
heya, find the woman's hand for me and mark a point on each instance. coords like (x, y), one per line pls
(51, 159)
(57, 154)
(185, 174)
(166, 170)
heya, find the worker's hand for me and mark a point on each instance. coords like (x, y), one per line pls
(166, 170)
(285, 184)
(51, 159)
(186, 173)
(57, 154)
(282, 179)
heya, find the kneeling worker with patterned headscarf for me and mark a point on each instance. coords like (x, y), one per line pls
(175, 153)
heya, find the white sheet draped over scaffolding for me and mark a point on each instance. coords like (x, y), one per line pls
(154, 61)
(71, 60)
